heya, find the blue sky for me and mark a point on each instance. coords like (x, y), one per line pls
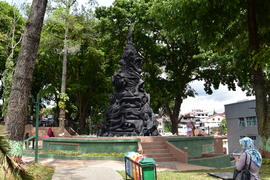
(216, 101)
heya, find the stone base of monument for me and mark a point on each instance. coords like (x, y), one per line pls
(121, 134)
(161, 148)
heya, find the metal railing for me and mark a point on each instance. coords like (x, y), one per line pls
(27, 143)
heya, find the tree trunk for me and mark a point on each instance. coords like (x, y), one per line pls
(82, 104)
(175, 114)
(21, 85)
(82, 118)
(62, 115)
(259, 79)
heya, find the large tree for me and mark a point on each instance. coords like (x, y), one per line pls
(64, 10)
(169, 52)
(13, 40)
(237, 31)
(88, 82)
(10, 33)
(21, 85)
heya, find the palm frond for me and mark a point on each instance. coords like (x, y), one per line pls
(9, 166)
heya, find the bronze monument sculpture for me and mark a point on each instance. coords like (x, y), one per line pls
(130, 113)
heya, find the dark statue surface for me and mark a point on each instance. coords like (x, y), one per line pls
(130, 113)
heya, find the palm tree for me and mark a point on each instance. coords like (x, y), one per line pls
(9, 167)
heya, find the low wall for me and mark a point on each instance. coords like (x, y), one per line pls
(95, 145)
(216, 162)
(180, 155)
(194, 144)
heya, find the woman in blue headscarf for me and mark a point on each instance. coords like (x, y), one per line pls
(249, 154)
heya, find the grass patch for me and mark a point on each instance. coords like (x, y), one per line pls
(78, 154)
(2, 127)
(39, 172)
(201, 174)
(266, 161)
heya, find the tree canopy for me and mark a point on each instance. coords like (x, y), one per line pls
(219, 42)
(171, 52)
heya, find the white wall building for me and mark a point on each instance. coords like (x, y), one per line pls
(199, 113)
(214, 120)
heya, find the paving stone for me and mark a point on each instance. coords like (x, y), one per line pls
(85, 173)
(222, 175)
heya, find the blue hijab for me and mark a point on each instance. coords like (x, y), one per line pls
(248, 146)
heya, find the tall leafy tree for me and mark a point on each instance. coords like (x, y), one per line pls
(64, 11)
(87, 84)
(21, 85)
(169, 52)
(10, 33)
(237, 31)
(13, 39)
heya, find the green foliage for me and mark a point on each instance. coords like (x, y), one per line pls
(38, 171)
(7, 15)
(41, 172)
(8, 166)
(63, 99)
(266, 161)
(170, 47)
(10, 32)
(264, 143)
(88, 74)
(228, 30)
(167, 126)
(48, 111)
(223, 127)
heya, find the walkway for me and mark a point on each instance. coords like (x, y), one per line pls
(83, 169)
(85, 173)
(102, 169)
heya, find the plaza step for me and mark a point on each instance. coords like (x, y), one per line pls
(149, 151)
(161, 157)
(156, 148)
(164, 159)
(154, 145)
(158, 155)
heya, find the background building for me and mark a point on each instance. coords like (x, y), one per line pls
(241, 122)
(212, 122)
(199, 113)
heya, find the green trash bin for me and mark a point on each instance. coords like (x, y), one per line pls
(148, 169)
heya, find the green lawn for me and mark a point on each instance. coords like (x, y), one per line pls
(38, 171)
(41, 172)
(77, 154)
(201, 175)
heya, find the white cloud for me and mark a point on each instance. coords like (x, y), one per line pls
(105, 2)
(216, 101)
